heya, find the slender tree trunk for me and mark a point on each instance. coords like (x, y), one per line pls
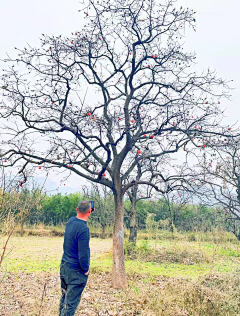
(172, 225)
(236, 231)
(103, 232)
(133, 223)
(118, 271)
(22, 223)
(237, 235)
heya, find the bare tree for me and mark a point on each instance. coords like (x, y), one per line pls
(16, 205)
(175, 203)
(147, 171)
(131, 55)
(217, 178)
(103, 203)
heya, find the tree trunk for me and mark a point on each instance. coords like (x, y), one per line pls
(21, 233)
(133, 223)
(236, 230)
(118, 271)
(103, 232)
(236, 233)
(171, 226)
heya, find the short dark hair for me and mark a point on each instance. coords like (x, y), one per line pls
(83, 206)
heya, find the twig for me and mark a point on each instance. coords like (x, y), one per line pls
(43, 294)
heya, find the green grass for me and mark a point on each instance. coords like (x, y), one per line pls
(228, 252)
(170, 270)
(105, 264)
(43, 254)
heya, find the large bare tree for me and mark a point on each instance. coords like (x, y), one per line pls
(129, 59)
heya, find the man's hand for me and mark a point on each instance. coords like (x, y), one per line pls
(87, 273)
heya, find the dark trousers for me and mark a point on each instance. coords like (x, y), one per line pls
(73, 282)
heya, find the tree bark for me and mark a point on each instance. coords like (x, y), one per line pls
(22, 231)
(118, 271)
(103, 232)
(133, 223)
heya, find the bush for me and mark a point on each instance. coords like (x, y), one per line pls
(133, 251)
(57, 232)
(144, 248)
(144, 236)
(192, 237)
(129, 248)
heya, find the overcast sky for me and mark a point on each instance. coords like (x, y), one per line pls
(216, 42)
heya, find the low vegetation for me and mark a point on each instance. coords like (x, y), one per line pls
(173, 274)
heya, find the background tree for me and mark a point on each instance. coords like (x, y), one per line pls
(131, 55)
(16, 206)
(103, 203)
(57, 209)
(218, 176)
(137, 193)
(174, 204)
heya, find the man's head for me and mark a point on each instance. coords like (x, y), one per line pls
(83, 209)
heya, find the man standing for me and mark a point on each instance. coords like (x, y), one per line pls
(75, 262)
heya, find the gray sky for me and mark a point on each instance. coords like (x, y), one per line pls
(216, 42)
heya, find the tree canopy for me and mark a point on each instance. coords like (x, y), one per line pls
(146, 102)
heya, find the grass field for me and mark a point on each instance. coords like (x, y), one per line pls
(176, 277)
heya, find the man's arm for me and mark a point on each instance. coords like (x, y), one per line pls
(84, 250)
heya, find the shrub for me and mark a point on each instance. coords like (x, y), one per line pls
(192, 237)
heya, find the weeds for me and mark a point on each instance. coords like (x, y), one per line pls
(167, 277)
